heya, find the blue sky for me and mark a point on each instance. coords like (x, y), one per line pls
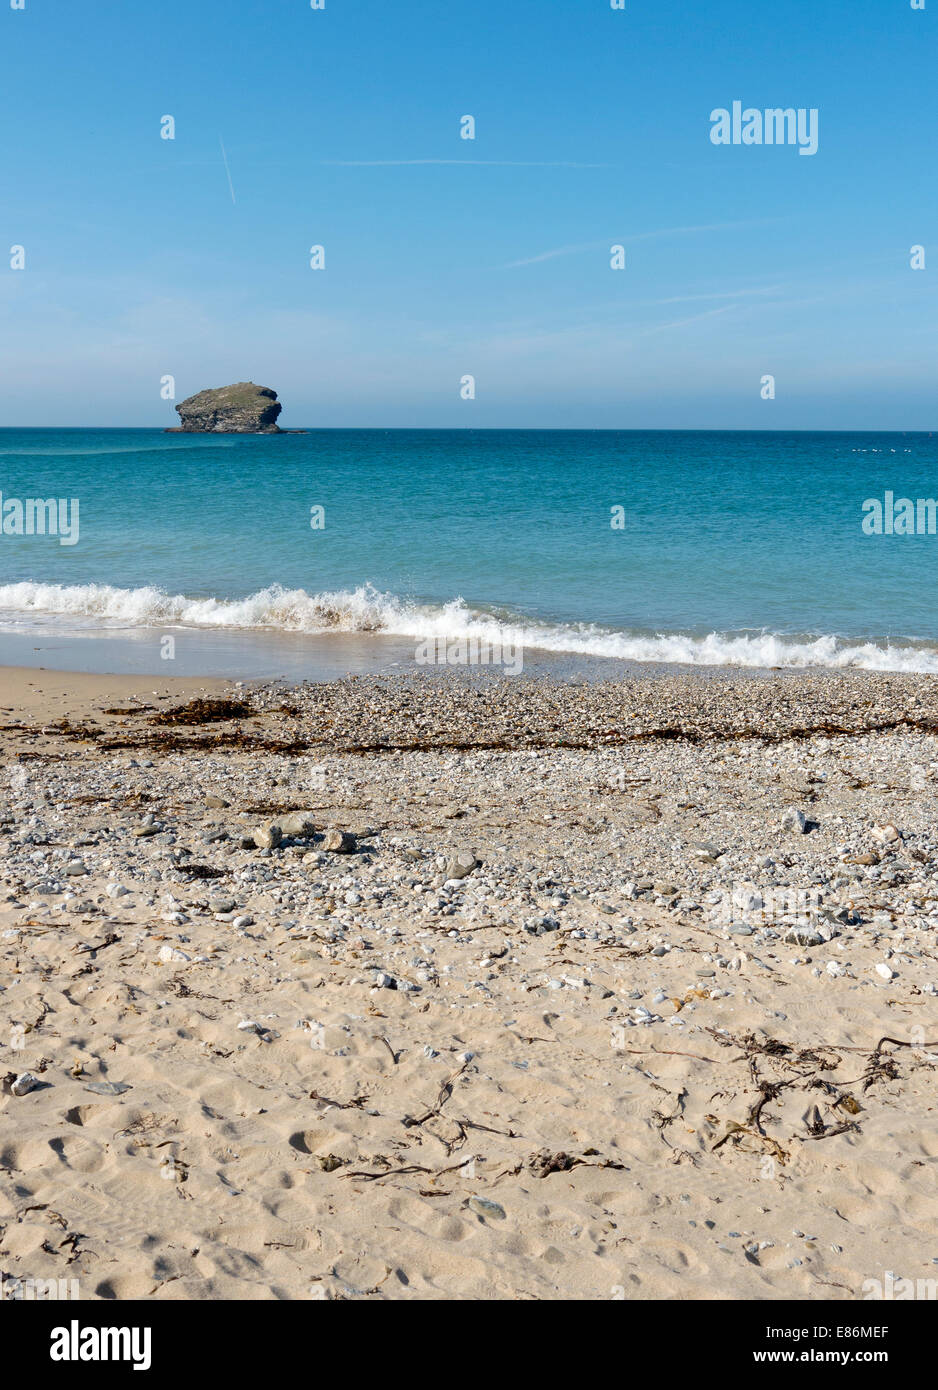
(489, 257)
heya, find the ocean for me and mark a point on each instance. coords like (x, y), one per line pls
(595, 552)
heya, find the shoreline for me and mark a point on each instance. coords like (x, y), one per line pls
(258, 655)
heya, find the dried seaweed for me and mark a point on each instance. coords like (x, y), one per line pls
(201, 711)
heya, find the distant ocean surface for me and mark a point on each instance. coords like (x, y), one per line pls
(738, 549)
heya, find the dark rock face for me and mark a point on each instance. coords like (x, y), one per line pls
(239, 409)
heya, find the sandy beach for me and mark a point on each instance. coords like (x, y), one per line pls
(425, 987)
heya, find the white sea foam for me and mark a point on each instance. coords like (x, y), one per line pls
(367, 610)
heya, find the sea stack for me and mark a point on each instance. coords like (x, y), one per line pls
(239, 409)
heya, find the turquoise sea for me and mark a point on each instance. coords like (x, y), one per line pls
(735, 549)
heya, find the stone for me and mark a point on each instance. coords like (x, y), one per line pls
(267, 836)
(483, 1207)
(460, 866)
(797, 821)
(802, 934)
(339, 842)
(243, 408)
(298, 824)
(169, 954)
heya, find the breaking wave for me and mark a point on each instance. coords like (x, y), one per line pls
(367, 610)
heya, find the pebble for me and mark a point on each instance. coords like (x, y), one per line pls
(298, 825)
(483, 1207)
(339, 842)
(462, 865)
(171, 953)
(802, 935)
(797, 821)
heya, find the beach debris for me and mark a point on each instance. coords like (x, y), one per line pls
(107, 1088)
(24, 1083)
(197, 872)
(172, 1169)
(813, 1121)
(200, 711)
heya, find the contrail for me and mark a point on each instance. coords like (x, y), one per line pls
(227, 170)
(502, 163)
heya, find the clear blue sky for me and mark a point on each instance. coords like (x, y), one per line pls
(490, 257)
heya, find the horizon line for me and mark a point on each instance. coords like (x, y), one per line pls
(479, 429)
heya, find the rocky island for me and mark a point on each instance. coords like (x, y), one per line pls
(243, 408)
